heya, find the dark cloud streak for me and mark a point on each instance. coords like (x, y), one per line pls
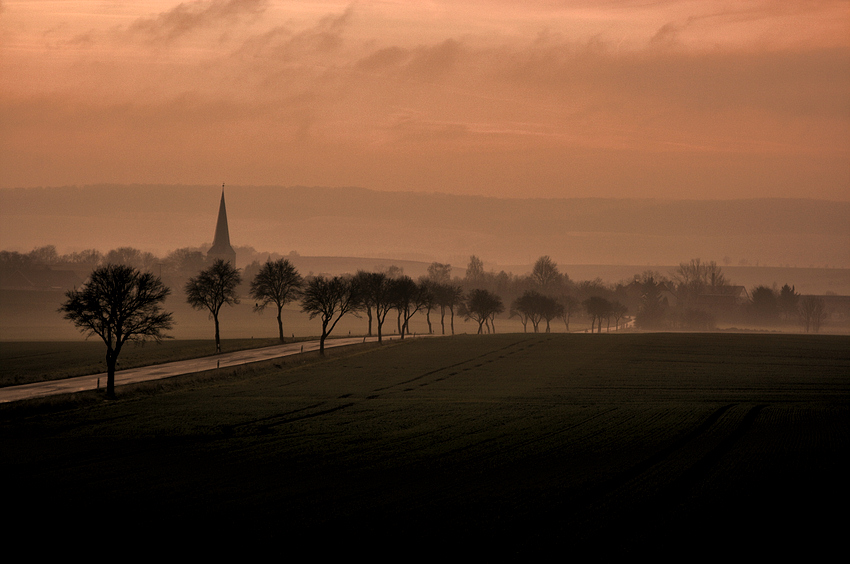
(188, 17)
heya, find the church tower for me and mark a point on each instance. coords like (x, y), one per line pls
(221, 248)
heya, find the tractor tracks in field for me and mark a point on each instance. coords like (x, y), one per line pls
(698, 468)
(703, 466)
(266, 424)
(655, 485)
(517, 345)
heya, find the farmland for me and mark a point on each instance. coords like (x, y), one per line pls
(504, 444)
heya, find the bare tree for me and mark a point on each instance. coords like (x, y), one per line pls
(276, 283)
(410, 297)
(552, 310)
(88, 257)
(45, 255)
(618, 310)
(475, 269)
(545, 273)
(375, 292)
(440, 273)
(185, 260)
(598, 309)
(570, 305)
(132, 257)
(812, 313)
(695, 277)
(523, 317)
(330, 299)
(362, 282)
(212, 288)
(118, 304)
(481, 306)
(429, 289)
(448, 296)
(532, 306)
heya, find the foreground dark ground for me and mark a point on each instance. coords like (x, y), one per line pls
(671, 444)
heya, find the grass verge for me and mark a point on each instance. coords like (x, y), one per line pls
(26, 362)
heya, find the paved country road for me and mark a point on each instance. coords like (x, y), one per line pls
(169, 369)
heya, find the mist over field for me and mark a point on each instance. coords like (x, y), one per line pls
(507, 233)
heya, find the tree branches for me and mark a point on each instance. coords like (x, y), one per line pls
(118, 304)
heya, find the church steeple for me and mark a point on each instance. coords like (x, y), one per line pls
(221, 248)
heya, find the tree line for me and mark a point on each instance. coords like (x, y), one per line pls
(121, 302)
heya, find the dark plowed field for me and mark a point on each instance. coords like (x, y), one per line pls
(674, 445)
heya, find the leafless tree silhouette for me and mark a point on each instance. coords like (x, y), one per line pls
(330, 299)
(212, 288)
(276, 283)
(118, 304)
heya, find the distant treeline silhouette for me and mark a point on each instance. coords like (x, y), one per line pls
(695, 296)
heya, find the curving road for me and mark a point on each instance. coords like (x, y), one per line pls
(169, 369)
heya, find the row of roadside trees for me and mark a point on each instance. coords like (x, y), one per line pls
(120, 303)
(544, 295)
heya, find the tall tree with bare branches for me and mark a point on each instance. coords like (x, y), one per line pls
(330, 299)
(213, 288)
(276, 283)
(119, 303)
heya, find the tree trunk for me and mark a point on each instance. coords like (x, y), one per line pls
(279, 324)
(217, 337)
(369, 315)
(323, 337)
(402, 324)
(443, 318)
(111, 361)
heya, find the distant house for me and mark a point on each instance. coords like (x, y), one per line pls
(722, 298)
(39, 279)
(635, 290)
(668, 294)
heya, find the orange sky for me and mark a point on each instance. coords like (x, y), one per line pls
(542, 98)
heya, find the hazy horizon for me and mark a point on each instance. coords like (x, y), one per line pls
(356, 222)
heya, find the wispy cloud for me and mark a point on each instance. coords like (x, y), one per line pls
(190, 16)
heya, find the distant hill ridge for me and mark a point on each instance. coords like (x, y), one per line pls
(354, 221)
